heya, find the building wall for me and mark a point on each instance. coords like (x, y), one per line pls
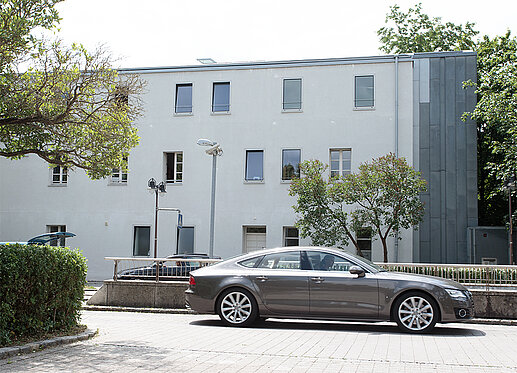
(103, 215)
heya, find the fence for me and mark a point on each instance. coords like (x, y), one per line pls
(145, 268)
(486, 275)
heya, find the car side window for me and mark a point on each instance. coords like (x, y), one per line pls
(322, 261)
(250, 263)
(289, 260)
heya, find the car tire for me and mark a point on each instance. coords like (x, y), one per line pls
(237, 307)
(416, 312)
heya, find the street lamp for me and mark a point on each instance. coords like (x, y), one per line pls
(510, 184)
(158, 188)
(215, 150)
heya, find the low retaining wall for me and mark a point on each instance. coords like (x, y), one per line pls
(494, 303)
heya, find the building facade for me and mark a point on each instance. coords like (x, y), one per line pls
(267, 117)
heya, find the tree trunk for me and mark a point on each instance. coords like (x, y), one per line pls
(385, 249)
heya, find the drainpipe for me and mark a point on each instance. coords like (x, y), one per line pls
(396, 248)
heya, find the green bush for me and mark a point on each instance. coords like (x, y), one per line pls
(41, 289)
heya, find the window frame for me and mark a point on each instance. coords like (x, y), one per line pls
(341, 170)
(187, 113)
(285, 237)
(282, 165)
(174, 181)
(178, 230)
(221, 112)
(60, 242)
(253, 181)
(120, 171)
(63, 174)
(292, 110)
(134, 241)
(354, 103)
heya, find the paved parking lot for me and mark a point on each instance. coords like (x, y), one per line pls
(134, 342)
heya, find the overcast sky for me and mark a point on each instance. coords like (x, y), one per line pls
(172, 32)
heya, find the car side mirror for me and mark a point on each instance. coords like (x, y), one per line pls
(356, 270)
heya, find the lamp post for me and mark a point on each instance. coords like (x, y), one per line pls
(158, 188)
(215, 151)
(510, 184)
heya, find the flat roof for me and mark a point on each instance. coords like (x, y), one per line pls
(295, 63)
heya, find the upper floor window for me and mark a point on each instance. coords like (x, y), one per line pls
(59, 175)
(254, 165)
(174, 167)
(364, 91)
(183, 98)
(221, 97)
(290, 163)
(340, 162)
(119, 175)
(292, 99)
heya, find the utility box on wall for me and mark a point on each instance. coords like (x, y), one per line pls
(488, 245)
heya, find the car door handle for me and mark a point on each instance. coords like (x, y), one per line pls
(317, 280)
(262, 278)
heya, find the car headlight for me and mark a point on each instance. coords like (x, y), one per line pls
(456, 294)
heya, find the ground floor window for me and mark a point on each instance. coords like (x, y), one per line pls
(254, 238)
(364, 241)
(54, 229)
(141, 240)
(291, 236)
(185, 242)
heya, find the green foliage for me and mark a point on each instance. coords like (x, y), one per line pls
(68, 106)
(414, 32)
(41, 289)
(383, 194)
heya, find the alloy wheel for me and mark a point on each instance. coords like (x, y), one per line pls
(236, 307)
(416, 313)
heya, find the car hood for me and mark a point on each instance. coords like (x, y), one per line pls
(433, 280)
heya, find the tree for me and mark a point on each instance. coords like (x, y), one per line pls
(64, 104)
(414, 32)
(383, 195)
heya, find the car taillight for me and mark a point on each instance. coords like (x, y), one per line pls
(192, 280)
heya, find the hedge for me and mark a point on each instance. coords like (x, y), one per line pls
(41, 289)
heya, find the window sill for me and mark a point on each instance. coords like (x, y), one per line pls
(220, 113)
(114, 183)
(366, 108)
(286, 181)
(287, 111)
(174, 183)
(59, 185)
(183, 114)
(254, 181)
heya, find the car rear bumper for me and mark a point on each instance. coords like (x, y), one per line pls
(197, 303)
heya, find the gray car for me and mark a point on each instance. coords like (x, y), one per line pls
(326, 284)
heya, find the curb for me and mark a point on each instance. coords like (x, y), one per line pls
(28, 348)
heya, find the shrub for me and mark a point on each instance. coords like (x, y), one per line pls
(41, 289)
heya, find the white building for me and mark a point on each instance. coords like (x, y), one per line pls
(264, 115)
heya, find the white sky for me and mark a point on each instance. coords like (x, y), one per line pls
(177, 32)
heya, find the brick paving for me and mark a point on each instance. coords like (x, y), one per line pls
(134, 342)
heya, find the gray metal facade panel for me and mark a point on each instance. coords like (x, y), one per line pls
(424, 125)
(434, 107)
(435, 242)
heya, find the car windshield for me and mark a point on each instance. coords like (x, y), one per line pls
(368, 262)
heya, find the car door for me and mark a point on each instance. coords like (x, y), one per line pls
(335, 292)
(281, 283)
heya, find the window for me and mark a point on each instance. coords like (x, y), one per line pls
(183, 98)
(291, 236)
(221, 97)
(254, 238)
(290, 260)
(119, 175)
(364, 92)
(340, 162)
(322, 261)
(59, 175)
(185, 240)
(141, 241)
(250, 263)
(364, 241)
(290, 163)
(292, 94)
(254, 165)
(53, 229)
(174, 167)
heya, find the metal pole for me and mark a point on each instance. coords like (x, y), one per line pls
(156, 224)
(512, 261)
(212, 206)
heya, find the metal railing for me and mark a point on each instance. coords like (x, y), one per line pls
(145, 268)
(467, 274)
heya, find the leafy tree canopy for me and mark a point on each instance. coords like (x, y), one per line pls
(415, 31)
(383, 196)
(64, 104)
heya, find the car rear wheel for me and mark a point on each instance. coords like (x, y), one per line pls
(237, 307)
(416, 312)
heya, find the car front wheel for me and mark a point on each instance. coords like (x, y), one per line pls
(237, 307)
(416, 312)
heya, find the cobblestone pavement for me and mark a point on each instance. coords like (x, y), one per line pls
(135, 342)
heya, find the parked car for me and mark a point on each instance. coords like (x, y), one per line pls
(45, 239)
(323, 283)
(180, 267)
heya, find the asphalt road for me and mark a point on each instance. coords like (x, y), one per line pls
(136, 342)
